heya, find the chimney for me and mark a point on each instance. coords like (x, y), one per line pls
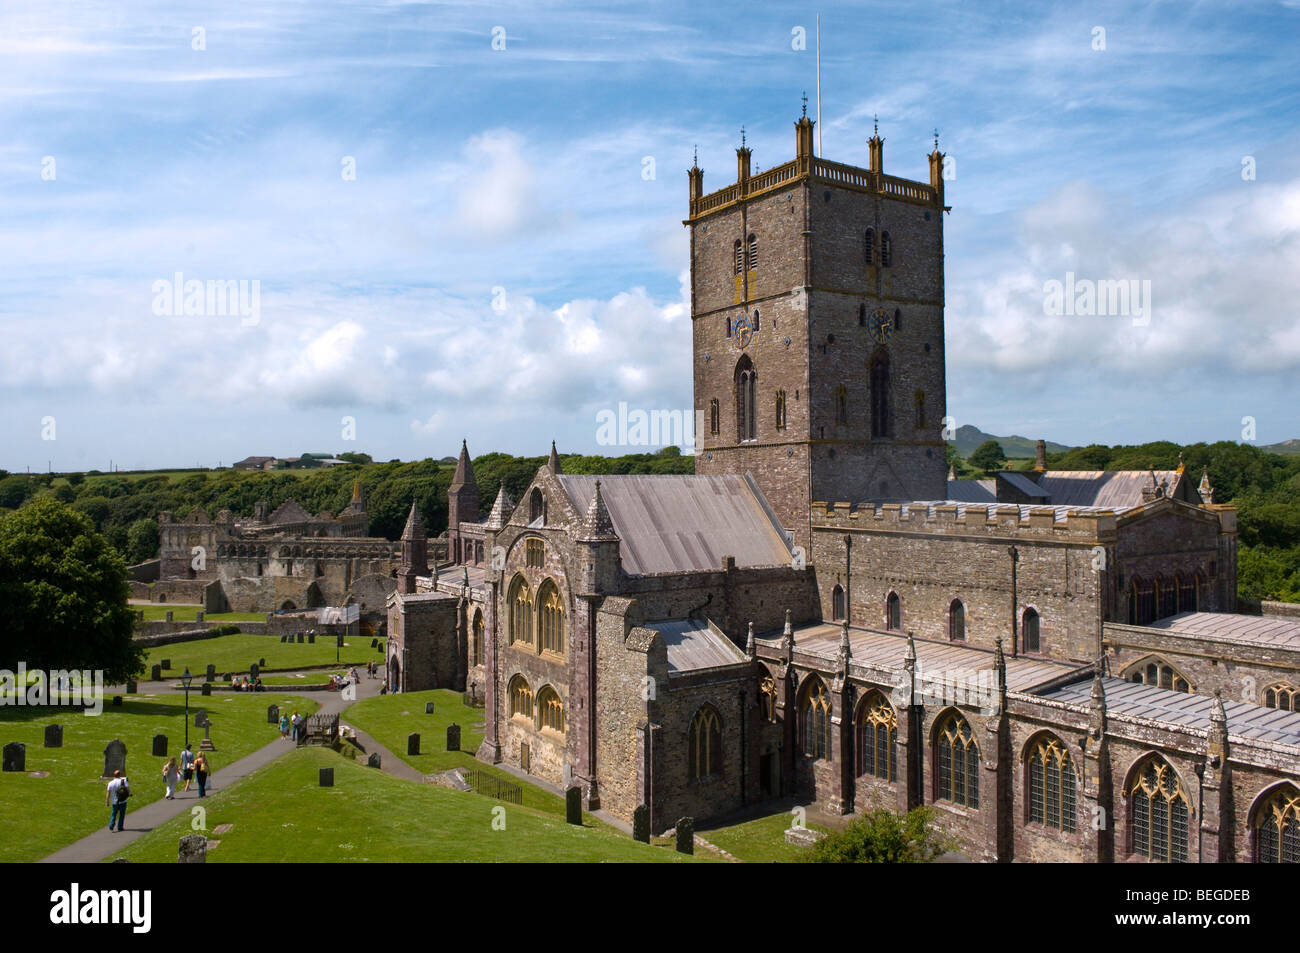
(803, 137)
(742, 166)
(876, 151)
(1040, 456)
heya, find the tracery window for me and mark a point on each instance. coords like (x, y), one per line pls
(815, 720)
(746, 428)
(1053, 785)
(1284, 696)
(767, 698)
(1166, 597)
(550, 709)
(705, 744)
(1186, 593)
(521, 697)
(877, 738)
(534, 552)
(1159, 810)
(1158, 672)
(550, 619)
(957, 759)
(521, 613)
(1277, 829)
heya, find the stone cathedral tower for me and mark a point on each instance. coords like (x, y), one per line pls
(817, 322)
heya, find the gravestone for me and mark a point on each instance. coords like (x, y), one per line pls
(686, 835)
(253, 670)
(300, 638)
(412, 744)
(169, 615)
(311, 638)
(200, 717)
(166, 663)
(285, 637)
(261, 663)
(117, 701)
(272, 714)
(194, 849)
(573, 805)
(210, 673)
(206, 724)
(114, 758)
(453, 737)
(327, 777)
(229, 677)
(641, 823)
(374, 643)
(156, 673)
(198, 615)
(15, 756)
(54, 736)
(207, 689)
(428, 708)
(160, 746)
(132, 686)
(373, 760)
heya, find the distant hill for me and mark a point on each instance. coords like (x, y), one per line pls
(970, 437)
(1286, 446)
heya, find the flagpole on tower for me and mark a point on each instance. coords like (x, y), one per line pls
(819, 84)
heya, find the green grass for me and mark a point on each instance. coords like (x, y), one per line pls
(280, 813)
(41, 815)
(382, 718)
(157, 612)
(761, 840)
(311, 678)
(234, 653)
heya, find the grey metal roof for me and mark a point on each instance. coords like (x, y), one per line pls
(1025, 485)
(668, 523)
(1189, 711)
(1229, 626)
(1113, 489)
(973, 491)
(693, 644)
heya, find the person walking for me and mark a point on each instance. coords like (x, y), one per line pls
(297, 726)
(171, 774)
(284, 727)
(119, 789)
(187, 766)
(201, 772)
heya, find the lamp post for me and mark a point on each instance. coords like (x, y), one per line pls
(185, 680)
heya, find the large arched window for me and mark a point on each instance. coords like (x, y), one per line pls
(1166, 597)
(1283, 695)
(521, 698)
(877, 727)
(957, 762)
(536, 508)
(1053, 785)
(550, 619)
(882, 424)
(837, 603)
(893, 612)
(704, 744)
(1186, 593)
(1141, 601)
(1030, 640)
(871, 247)
(1277, 828)
(1154, 670)
(815, 719)
(1158, 812)
(550, 709)
(739, 254)
(957, 621)
(478, 637)
(521, 612)
(753, 253)
(746, 400)
(767, 698)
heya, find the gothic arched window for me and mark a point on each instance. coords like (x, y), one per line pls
(550, 709)
(1154, 670)
(882, 424)
(886, 250)
(1030, 640)
(1158, 812)
(521, 697)
(753, 253)
(521, 612)
(746, 425)
(550, 619)
(837, 603)
(478, 638)
(767, 698)
(957, 762)
(893, 612)
(815, 720)
(739, 251)
(536, 508)
(1283, 695)
(1053, 785)
(877, 727)
(1277, 828)
(871, 247)
(704, 744)
(713, 416)
(957, 621)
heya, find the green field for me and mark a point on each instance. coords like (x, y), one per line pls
(235, 653)
(280, 813)
(157, 612)
(41, 815)
(390, 718)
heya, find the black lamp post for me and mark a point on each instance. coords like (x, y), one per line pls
(185, 680)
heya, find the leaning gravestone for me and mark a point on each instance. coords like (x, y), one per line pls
(210, 673)
(686, 835)
(428, 708)
(155, 674)
(374, 760)
(207, 689)
(641, 823)
(573, 805)
(453, 737)
(327, 777)
(413, 744)
(272, 714)
(160, 746)
(54, 736)
(114, 758)
(194, 849)
(374, 643)
(15, 756)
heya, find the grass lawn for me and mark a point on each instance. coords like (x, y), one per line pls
(157, 612)
(234, 653)
(761, 840)
(280, 813)
(382, 718)
(40, 815)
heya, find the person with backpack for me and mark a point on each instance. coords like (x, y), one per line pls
(187, 766)
(201, 771)
(115, 797)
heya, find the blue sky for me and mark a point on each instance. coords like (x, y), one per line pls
(502, 268)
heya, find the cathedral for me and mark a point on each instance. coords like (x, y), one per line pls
(1053, 661)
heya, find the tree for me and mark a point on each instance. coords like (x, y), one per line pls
(64, 591)
(76, 479)
(142, 541)
(988, 456)
(883, 837)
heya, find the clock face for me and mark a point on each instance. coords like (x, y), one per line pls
(880, 323)
(743, 328)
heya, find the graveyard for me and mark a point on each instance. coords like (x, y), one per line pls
(58, 795)
(282, 813)
(235, 653)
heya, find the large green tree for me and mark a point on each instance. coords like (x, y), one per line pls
(64, 592)
(989, 456)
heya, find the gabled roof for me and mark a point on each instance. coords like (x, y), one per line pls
(694, 644)
(1113, 489)
(973, 491)
(670, 523)
(289, 512)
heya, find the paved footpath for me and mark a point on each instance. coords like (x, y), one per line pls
(104, 843)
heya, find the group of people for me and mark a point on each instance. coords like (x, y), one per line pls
(245, 684)
(191, 768)
(292, 727)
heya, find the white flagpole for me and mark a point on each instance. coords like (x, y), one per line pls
(819, 84)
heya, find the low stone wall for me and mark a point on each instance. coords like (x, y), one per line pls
(190, 634)
(1284, 610)
(146, 571)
